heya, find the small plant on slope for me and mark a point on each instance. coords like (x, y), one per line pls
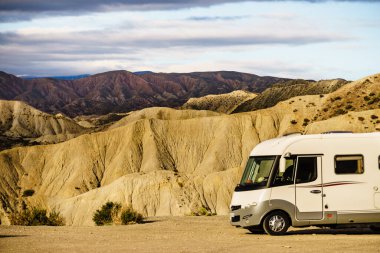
(129, 216)
(203, 211)
(28, 193)
(37, 217)
(105, 214)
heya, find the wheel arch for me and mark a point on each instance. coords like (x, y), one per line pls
(276, 210)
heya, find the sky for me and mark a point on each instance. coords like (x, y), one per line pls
(296, 39)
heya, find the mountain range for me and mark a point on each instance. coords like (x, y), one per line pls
(123, 91)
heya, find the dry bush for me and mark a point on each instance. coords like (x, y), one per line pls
(37, 217)
(111, 213)
(203, 211)
(106, 213)
(130, 216)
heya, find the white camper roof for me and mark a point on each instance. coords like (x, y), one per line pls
(278, 146)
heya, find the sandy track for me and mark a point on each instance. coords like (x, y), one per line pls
(182, 234)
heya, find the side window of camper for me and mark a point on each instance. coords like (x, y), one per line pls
(287, 177)
(349, 164)
(306, 169)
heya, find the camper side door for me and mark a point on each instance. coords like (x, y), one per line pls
(309, 190)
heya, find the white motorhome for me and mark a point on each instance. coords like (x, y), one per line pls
(328, 180)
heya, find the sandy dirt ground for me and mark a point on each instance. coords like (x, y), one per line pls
(182, 234)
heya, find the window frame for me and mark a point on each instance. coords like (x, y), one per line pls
(348, 155)
(273, 182)
(250, 187)
(316, 169)
(295, 158)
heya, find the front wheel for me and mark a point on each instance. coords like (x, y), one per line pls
(276, 223)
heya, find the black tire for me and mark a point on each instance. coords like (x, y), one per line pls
(276, 223)
(375, 228)
(256, 230)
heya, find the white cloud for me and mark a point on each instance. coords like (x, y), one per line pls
(256, 38)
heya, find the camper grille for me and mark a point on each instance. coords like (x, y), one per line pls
(233, 208)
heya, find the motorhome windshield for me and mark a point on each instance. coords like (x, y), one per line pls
(258, 170)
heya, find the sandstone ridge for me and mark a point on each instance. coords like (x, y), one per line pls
(23, 124)
(224, 103)
(287, 90)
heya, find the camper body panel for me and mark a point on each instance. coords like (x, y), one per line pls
(250, 206)
(343, 198)
(344, 192)
(248, 198)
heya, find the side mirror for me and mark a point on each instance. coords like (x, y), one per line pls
(282, 164)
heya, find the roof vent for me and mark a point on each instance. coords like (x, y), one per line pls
(338, 132)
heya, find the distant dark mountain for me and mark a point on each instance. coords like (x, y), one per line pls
(142, 72)
(123, 91)
(56, 77)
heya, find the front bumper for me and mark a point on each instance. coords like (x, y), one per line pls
(246, 216)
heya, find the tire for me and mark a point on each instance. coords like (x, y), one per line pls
(375, 228)
(276, 223)
(256, 230)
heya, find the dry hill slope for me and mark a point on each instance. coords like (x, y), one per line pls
(224, 103)
(287, 90)
(163, 166)
(162, 113)
(21, 123)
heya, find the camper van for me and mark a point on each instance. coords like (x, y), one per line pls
(329, 180)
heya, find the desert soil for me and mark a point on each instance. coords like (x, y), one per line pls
(182, 234)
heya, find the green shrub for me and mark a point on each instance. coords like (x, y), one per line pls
(105, 215)
(55, 219)
(111, 213)
(20, 218)
(339, 112)
(36, 217)
(28, 193)
(374, 100)
(129, 216)
(203, 211)
(305, 122)
(39, 217)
